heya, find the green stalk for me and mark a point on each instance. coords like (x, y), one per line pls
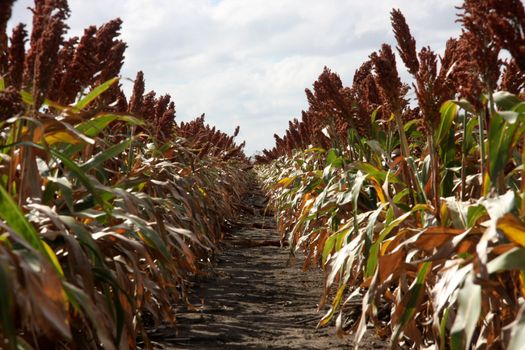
(130, 151)
(500, 181)
(434, 173)
(402, 136)
(481, 118)
(405, 152)
(463, 158)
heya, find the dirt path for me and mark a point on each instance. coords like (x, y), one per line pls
(253, 298)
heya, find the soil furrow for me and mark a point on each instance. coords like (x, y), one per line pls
(254, 298)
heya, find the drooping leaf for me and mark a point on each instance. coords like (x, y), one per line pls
(512, 228)
(512, 260)
(11, 213)
(467, 315)
(505, 100)
(517, 337)
(412, 300)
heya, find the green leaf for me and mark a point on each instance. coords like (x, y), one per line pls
(27, 98)
(66, 188)
(84, 236)
(444, 135)
(467, 316)
(413, 299)
(379, 175)
(520, 108)
(13, 216)
(512, 260)
(329, 246)
(475, 212)
(356, 190)
(370, 229)
(96, 92)
(509, 116)
(412, 124)
(334, 159)
(376, 147)
(22, 344)
(2, 84)
(398, 198)
(146, 233)
(470, 140)
(353, 194)
(315, 150)
(55, 105)
(371, 264)
(505, 100)
(464, 104)
(500, 143)
(93, 127)
(105, 155)
(443, 328)
(79, 173)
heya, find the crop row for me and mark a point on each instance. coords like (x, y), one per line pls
(415, 210)
(108, 207)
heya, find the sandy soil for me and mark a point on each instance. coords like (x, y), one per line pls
(253, 298)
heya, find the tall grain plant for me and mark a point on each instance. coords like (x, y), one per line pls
(106, 212)
(418, 218)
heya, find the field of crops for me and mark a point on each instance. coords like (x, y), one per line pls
(409, 198)
(108, 207)
(416, 208)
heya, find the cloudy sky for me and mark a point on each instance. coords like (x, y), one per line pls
(247, 62)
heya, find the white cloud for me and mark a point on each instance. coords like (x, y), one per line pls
(248, 62)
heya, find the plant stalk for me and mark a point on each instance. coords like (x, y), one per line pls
(405, 152)
(481, 118)
(463, 159)
(434, 173)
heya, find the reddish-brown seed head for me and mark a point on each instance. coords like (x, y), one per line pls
(16, 55)
(405, 41)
